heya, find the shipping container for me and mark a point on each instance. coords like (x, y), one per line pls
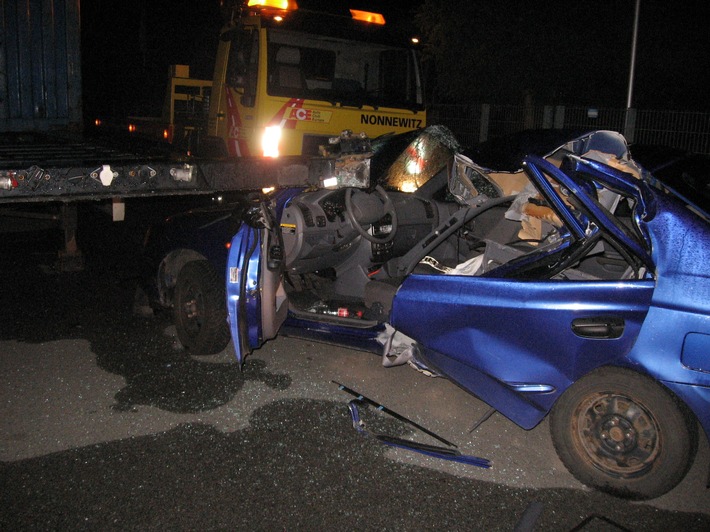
(40, 65)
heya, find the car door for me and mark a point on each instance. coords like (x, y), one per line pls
(519, 344)
(518, 340)
(256, 301)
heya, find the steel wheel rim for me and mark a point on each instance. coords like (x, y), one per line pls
(192, 310)
(620, 436)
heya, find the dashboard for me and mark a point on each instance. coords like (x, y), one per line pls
(318, 233)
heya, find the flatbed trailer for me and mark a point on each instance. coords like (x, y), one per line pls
(46, 176)
(38, 167)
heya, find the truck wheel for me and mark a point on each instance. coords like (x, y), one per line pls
(200, 309)
(622, 433)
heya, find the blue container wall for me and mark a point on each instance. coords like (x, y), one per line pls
(40, 65)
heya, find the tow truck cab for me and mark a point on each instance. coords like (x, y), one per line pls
(287, 78)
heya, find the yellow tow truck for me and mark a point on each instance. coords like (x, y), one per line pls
(287, 78)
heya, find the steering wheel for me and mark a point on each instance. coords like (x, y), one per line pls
(388, 208)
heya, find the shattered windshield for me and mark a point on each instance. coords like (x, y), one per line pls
(408, 161)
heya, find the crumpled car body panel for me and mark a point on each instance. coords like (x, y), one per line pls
(519, 334)
(512, 343)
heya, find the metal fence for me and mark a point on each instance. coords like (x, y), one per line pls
(476, 123)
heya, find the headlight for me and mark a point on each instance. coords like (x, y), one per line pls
(270, 141)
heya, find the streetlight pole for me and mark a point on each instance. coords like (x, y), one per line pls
(632, 69)
(630, 122)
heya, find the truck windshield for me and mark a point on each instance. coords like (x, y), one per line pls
(344, 72)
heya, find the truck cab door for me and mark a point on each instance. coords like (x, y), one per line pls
(256, 300)
(234, 89)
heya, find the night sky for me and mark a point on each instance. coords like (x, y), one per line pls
(560, 52)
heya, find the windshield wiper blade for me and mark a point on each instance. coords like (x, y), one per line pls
(392, 413)
(450, 453)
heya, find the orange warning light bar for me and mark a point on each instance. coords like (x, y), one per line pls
(289, 5)
(367, 16)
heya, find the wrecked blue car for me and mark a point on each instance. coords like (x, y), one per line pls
(565, 286)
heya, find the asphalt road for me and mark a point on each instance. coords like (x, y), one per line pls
(108, 425)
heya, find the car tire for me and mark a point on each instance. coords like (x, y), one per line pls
(200, 309)
(622, 433)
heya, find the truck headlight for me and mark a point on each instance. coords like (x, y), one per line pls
(270, 141)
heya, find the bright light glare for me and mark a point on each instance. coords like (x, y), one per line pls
(270, 141)
(267, 190)
(330, 182)
(414, 166)
(408, 186)
(367, 16)
(278, 4)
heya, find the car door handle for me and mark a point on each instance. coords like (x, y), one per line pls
(599, 327)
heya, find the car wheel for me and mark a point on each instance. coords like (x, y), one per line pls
(622, 433)
(200, 309)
